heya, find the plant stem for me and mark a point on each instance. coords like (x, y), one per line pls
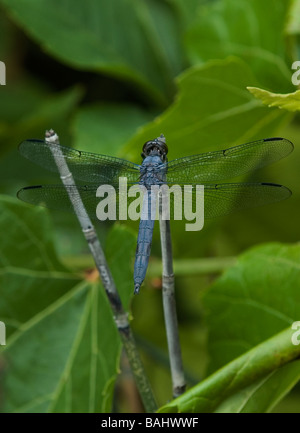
(119, 314)
(192, 266)
(182, 267)
(169, 305)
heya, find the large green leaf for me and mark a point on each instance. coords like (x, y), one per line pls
(213, 110)
(105, 128)
(187, 10)
(26, 109)
(261, 361)
(293, 29)
(6, 43)
(293, 23)
(262, 396)
(252, 30)
(248, 307)
(63, 348)
(253, 300)
(133, 40)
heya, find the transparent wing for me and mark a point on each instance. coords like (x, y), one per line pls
(229, 163)
(89, 167)
(57, 197)
(219, 199)
(227, 198)
(224, 199)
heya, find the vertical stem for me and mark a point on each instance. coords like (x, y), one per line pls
(119, 314)
(169, 305)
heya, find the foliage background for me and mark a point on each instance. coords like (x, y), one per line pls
(108, 76)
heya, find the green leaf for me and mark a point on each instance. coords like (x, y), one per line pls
(293, 22)
(132, 40)
(213, 110)
(104, 128)
(253, 300)
(255, 364)
(246, 29)
(262, 396)
(63, 348)
(6, 43)
(27, 109)
(247, 308)
(187, 10)
(287, 101)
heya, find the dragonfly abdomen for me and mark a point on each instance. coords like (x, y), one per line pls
(144, 243)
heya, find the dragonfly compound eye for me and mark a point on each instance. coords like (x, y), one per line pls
(157, 146)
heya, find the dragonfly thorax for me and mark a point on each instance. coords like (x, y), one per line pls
(152, 171)
(152, 161)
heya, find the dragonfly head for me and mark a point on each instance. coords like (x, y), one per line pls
(156, 147)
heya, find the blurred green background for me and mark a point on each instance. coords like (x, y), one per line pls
(108, 76)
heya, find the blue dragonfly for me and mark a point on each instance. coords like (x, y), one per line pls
(201, 169)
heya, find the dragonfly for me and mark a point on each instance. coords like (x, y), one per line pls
(92, 170)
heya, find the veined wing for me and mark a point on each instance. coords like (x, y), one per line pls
(57, 196)
(86, 166)
(229, 163)
(227, 198)
(219, 199)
